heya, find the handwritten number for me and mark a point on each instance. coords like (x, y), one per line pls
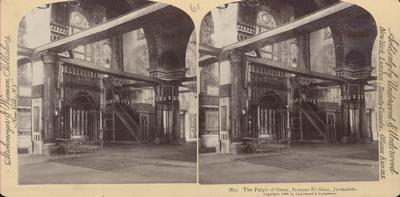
(196, 7)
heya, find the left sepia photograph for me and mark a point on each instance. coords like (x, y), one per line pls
(107, 93)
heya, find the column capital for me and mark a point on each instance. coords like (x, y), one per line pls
(235, 56)
(48, 56)
(166, 94)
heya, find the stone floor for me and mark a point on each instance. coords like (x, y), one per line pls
(177, 164)
(116, 164)
(303, 163)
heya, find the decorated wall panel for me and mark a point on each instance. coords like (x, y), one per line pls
(322, 51)
(265, 16)
(136, 52)
(209, 121)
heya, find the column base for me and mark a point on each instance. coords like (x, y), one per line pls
(50, 149)
(365, 140)
(345, 139)
(157, 140)
(179, 141)
(235, 147)
(225, 146)
(351, 139)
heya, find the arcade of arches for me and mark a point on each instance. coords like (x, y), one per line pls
(315, 83)
(133, 82)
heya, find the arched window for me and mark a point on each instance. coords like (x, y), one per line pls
(266, 22)
(77, 23)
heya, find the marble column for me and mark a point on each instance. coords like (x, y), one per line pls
(49, 95)
(345, 110)
(178, 136)
(158, 126)
(50, 129)
(364, 133)
(236, 105)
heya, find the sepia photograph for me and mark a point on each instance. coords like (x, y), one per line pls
(288, 93)
(210, 98)
(106, 93)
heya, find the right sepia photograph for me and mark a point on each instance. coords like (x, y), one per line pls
(287, 93)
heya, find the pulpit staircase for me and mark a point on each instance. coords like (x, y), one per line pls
(309, 110)
(314, 119)
(126, 118)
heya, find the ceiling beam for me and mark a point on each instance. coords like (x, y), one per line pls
(140, 85)
(23, 61)
(324, 84)
(370, 78)
(184, 91)
(186, 79)
(207, 60)
(371, 90)
(24, 51)
(125, 23)
(330, 83)
(144, 84)
(209, 50)
(293, 70)
(325, 17)
(188, 88)
(108, 71)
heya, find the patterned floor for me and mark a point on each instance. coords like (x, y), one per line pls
(283, 162)
(181, 157)
(94, 162)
